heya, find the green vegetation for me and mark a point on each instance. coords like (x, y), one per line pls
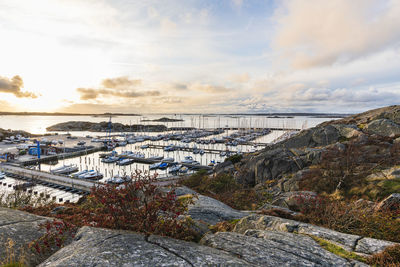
(337, 250)
(223, 187)
(234, 158)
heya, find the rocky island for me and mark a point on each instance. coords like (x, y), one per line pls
(164, 119)
(103, 127)
(328, 196)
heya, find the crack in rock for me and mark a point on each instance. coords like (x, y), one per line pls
(168, 250)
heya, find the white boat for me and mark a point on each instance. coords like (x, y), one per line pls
(66, 169)
(174, 169)
(117, 179)
(76, 175)
(2, 175)
(125, 162)
(144, 146)
(92, 175)
(187, 160)
(201, 152)
(154, 166)
(222, 154)
(111, 159)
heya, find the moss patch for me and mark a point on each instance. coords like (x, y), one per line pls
(337, 250)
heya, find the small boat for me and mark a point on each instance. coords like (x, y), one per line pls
(118, 179)
(183, 169)
(201, 152)
(212, 163)
(112, 153)
(111, 159)
(81, 143)
(155, 166)
(122, 143)
(66, 169)
(195, 162)
(168, 160)
(174, 169)
(222, 154)
(125, 162)
(188, 160)
(76, 175)
(163, 166)
(144, 146)
(94, 175)
(2, 175)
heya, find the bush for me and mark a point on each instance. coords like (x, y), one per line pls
(390, 257)
(236, 158)
(344, 169)
(18, 199)
(224, 188)
(351, 217)
(136, 206)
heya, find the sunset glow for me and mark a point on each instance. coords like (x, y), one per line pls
(199, 56)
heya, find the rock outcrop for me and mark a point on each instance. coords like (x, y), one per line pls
(269, 248)
(349, 242)
(19, 228)
(298, 152)
(102, 247)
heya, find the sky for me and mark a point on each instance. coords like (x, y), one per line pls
(199, 56)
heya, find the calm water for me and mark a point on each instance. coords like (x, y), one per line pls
(38, 124)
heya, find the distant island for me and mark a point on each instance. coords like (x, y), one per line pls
(103, 127)
(164, 119)
(4, 113)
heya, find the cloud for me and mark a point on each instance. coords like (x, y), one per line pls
(120, 82)
(13, 86)
(90, 93)
(318, 33)
(122, 87)
(207, 88)
(240, 78)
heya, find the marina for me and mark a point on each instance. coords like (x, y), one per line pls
(71, 163)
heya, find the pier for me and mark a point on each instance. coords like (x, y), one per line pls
(41, 177)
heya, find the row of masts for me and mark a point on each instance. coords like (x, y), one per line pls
(243, 122)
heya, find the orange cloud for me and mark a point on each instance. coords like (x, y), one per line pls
(13, 86)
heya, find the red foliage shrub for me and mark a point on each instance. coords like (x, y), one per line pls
(138, 206)
(57, 232)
